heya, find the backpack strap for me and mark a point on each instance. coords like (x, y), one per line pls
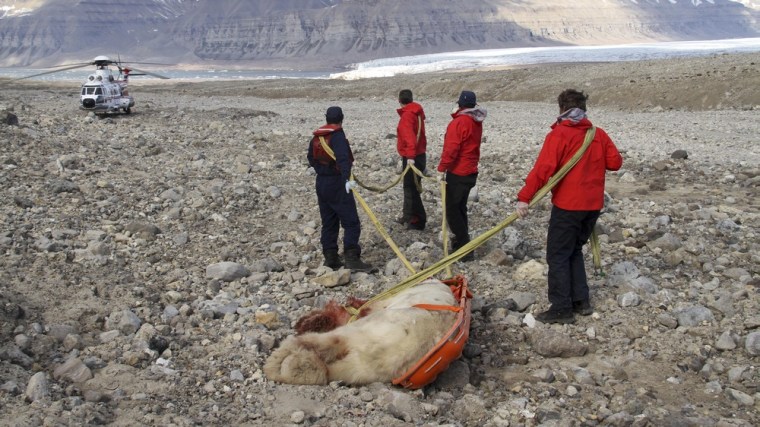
(419, 128)
(326, 147)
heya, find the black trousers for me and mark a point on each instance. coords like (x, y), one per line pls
(457, 191)
(413, 210)
(568, 232)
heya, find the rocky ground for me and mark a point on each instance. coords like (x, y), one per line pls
(151, 262)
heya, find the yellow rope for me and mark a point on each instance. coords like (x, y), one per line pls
(371, 215)
(444, 263)
(383, 232)
(596, 254)
(386, 187)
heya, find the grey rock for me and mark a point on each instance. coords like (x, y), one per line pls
(332, 279)
(109, 336)
(123, 320)
(60, 331)
(752, 344)
(555, 344)
(10, 387)
(14, 355)
(667, 320)
(513, 243)
(266, 265)
(227, 271)
(740, 397)
(23, 341)
(629, 299)
(736, 273)
(73, 370)
(169, 313)
(667, 242)
(470, 409)
(644, 284)
(727, 225)
(64, 186)
(694, 316)
(522, 300)
(236, 375)
(725, 341)
(37, 389)
(544, 375)
(142, 230)
(400, 405)
(621, 273)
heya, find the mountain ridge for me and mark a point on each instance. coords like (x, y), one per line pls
(332, 34)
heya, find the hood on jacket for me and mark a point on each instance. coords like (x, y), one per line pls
(412, 107)
(477, 113)
(583, 123)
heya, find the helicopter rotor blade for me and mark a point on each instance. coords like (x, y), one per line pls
(70, 67)
(148, 63)
(147, 73)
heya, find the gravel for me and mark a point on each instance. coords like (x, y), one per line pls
(151, 262)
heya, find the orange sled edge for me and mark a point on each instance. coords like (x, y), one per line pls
(448, 349)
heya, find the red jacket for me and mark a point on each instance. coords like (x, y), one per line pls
(461, 145)
(582, 189)
(410, 122)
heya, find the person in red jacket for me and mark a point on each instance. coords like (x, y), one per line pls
(411, 144)
(577, 201)
(459, 164)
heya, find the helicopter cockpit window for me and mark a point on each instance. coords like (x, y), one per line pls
(98, 91)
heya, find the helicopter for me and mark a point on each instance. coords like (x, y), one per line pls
(102, 92)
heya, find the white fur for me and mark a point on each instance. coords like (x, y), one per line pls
(376, 348)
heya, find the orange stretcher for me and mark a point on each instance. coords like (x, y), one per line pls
(450, 347)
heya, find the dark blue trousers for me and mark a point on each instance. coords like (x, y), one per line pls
(337, 208)
(568, 232)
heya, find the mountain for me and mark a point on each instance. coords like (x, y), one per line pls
(334, 33)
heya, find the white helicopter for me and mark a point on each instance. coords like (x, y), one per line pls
(102, 92)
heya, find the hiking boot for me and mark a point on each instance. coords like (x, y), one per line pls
(354, 262)
(583, 307)
(415, 226)
(332, 259)
(556, 316)
(455, 245)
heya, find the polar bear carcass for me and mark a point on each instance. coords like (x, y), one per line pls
(389, 339)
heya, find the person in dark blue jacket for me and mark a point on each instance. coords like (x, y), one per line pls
(331, 157)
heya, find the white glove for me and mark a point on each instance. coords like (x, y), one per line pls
(522, 209)
(350, 185)
(410, 162)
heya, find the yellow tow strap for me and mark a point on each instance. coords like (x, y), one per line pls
(445, 262)
(383, 232)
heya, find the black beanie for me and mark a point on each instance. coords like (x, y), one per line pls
(334, 115)
(467, 99)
